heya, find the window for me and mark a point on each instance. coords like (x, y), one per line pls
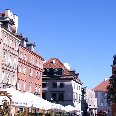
(44, 85)
(35, 88)
(19, 85)
(36, 62)
(114, 72)
(20, 54)
(39, 90)
(36, 74)
(5, 39)
(14, 63)
(54, 85)
(10, 43)
(74, 96)
(9, 60)
(39, 75)
(31, 60)
(15, 45)
(101, 104)
(19, 68)
(79, 98)
(13, 80)
(4, 56)
(24, 70)
(25, 58)
(24, 84)
(74, 85)
(77, 87)
(29, 87)
(54, 96)
(44, 95)
(7, 76)
(60, 96)
(3, 76)
(30, 72)
(61, 85)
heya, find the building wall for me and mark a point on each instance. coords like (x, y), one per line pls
(9, 58)
(89, 102)
(67, 90)
(30, 71)
(91, 99)
(76, 94)
(71, 90)
(102, 101)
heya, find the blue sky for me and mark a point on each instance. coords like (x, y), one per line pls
(80, 32)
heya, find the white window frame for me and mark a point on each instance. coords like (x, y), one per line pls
(5, 39)
(14, 63)
(31, 72)
(30, 89)
(24, 70)
(36, 88)
(31, 60)
(19, 68)
(10, 42)
(20, 55)
(25, 57)
(4, 56)
(3, 76)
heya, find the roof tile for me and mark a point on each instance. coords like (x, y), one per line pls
(56, 63)
(102, 86)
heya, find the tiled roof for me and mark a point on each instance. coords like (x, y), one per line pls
(56, 63)
(102, 86)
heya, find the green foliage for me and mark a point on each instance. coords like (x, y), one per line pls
(112, 89)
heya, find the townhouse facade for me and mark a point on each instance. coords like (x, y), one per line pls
(101, 95)
(60, 85)
(89, 102)
(20, 65)
(30, 68)
(9, 45)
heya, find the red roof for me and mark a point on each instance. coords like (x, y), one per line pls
(56, 63)
(102, 86)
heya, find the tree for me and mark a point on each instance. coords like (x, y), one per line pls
(112, 89)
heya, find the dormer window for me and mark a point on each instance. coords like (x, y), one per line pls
(53, 62)
(24, 44)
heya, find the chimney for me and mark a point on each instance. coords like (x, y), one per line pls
(54, 61)
(31, 46)
(105, 79)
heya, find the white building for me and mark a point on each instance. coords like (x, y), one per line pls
(89, 101)
(61, 85)
(9, 45)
